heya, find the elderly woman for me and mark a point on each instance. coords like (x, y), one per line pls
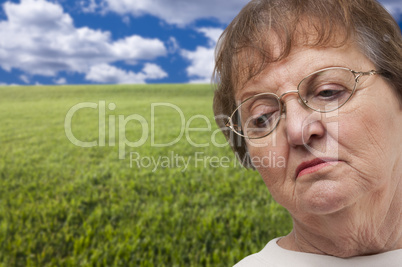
(319, 84)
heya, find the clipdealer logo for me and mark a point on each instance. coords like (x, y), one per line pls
(147, 132)
(199, 159)
(146, 129)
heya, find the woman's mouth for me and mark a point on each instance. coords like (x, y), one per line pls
(314, 165)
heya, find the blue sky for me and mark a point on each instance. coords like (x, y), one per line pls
(114, 41)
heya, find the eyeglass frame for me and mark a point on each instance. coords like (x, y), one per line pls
(357, 75)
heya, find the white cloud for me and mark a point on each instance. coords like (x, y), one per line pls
(173, 45)
(60, 81)
(202, 59)
(126, 20)
(89, 6)
(183, 12)
(135, 48)
(393, 6)
(11, 84)
(40, 39)
(105, 73)
(179, 12)
(24, 78)
(202, 64)
(153, 71)
(212, 34)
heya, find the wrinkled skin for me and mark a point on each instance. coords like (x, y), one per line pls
(352, 205)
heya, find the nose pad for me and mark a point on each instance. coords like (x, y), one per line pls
(283, 111)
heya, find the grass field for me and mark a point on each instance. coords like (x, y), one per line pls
(66, 205)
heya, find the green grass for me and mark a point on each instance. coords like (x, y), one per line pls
(64, 205)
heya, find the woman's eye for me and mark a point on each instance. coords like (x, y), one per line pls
(261, 115)
(330, 91)
(262, 121)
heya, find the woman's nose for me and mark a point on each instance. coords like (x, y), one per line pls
(302, 124)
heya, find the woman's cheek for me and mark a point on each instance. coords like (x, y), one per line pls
(271, 162)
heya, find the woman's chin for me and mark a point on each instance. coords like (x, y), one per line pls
(325, 197)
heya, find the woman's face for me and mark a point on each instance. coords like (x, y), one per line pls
(321, 163)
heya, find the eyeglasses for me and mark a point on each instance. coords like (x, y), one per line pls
(323, 91)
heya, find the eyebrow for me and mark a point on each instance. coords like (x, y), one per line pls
(247, 94)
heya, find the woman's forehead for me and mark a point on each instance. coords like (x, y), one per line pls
(301, 61)
(249, 60)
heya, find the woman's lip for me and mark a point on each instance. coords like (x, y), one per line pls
(312, 166)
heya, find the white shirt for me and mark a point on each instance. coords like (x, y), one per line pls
(272, 255)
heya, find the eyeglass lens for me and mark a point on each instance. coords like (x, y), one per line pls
(323, 91)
